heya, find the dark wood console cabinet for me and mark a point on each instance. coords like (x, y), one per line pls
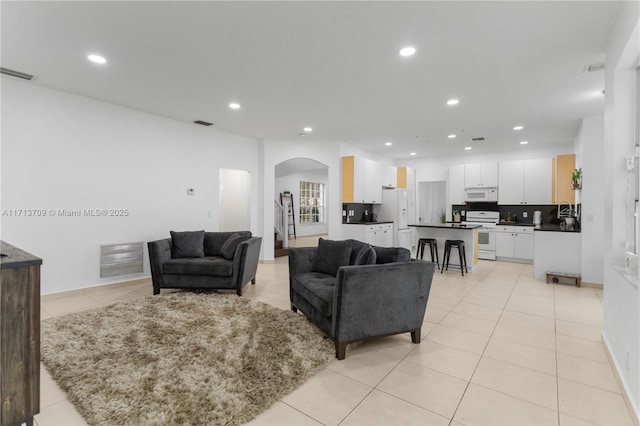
(19, 335)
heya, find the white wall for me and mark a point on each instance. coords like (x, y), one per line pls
(589, 148)
(273, 152)
(62, 151)
(235, 200)
(292, 183)
(621, 324)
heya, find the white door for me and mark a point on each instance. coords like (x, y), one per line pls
(235, 200)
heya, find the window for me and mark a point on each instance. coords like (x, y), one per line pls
(311, 202)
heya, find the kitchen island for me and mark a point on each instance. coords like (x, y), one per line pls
(451, 231)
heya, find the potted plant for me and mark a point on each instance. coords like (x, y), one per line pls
(443, 215)
(576, 179)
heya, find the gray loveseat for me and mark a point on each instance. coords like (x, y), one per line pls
(352, 290)
(199, 259)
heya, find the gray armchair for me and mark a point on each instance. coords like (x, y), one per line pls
(361, 300)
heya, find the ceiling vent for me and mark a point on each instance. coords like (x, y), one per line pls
(203, 123)
(594, 67)
(18, 74)
(478, 139)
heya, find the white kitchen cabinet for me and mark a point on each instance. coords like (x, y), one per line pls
(361, 180)
(525, 182)
(481, 175)
(514, 242)
(456, 184)
(389, 176)
(380, 234)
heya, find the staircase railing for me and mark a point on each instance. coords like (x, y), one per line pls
(279, 225)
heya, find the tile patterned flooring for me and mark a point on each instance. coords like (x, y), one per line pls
(498, 348)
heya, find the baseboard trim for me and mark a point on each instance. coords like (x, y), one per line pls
(267, 261)
(79, 291)
(633, 411)
(594, 285)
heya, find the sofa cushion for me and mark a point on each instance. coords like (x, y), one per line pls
(229, 247)
(366, 256)
(187, 244)
(317, 289)
(211, 266)
(392, 254)
(213, 241)
(330, 256)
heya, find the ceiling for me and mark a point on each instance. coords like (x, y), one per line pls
(333, 66)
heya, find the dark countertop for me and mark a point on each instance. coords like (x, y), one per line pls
(445, 226)
(515, 223)
(13, 257)
(368, 223)
(555, 228)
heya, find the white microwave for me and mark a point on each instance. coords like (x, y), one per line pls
(481, 194)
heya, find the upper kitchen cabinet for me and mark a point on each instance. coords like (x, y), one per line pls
(563, 167)
(481, 175)
(361, 180)
(389, 176)
(456, 184)
(525, 182)
(406, 178)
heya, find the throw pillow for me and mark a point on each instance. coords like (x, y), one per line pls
(229, 247)
(366, 256)
(392, 254)
(187, 244)
(330, 256)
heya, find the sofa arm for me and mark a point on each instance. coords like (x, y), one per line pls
(373, 300)
(245, 261)
(159, 252)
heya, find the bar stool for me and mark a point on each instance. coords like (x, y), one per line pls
(462, 254)
(433, 246)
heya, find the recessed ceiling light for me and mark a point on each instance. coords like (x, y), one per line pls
(518, 128)
(524, 142)
(407, 51)
(451, 136)
(97, 59)
(234, 105)
(388, 143)
(308, 129)
(453, 102)
(467, 148)
(412, 153)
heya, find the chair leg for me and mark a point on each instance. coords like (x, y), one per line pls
(461, 261)
(293, 308)
(341, 350)
(415, 335)
(239, 291)
(435, 248)
(156, 290)
(253, 280)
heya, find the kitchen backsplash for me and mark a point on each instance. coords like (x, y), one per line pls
(359, 211)
(549, 212)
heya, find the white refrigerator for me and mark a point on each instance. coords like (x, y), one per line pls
(397, 206)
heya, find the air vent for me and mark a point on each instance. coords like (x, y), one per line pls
(594, 67)
(203, 123)
(478, 139)
(18, 74)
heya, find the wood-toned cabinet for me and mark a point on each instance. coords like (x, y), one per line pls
(361, 180)
(19, 335)
(478, 175)
(525, 182)
(563, 167)
(406, 178)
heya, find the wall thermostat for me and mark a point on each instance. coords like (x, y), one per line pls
(191, 191)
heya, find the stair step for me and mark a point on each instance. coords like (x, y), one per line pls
(281, 252)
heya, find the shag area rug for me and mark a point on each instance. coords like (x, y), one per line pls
(181, 358)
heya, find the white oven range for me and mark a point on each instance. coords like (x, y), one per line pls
(486, 237)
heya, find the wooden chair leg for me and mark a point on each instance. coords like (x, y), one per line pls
(293, 308)
(341, 349)
(415, 335)
(253, 280)
(156, 290)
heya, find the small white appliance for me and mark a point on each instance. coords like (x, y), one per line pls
(481, 195)
(537, 217)
(397, 206)
(486, 237)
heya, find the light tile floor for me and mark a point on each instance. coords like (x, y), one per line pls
(498, 348)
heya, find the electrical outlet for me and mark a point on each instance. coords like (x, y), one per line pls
(525, 214)
(631, 164)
